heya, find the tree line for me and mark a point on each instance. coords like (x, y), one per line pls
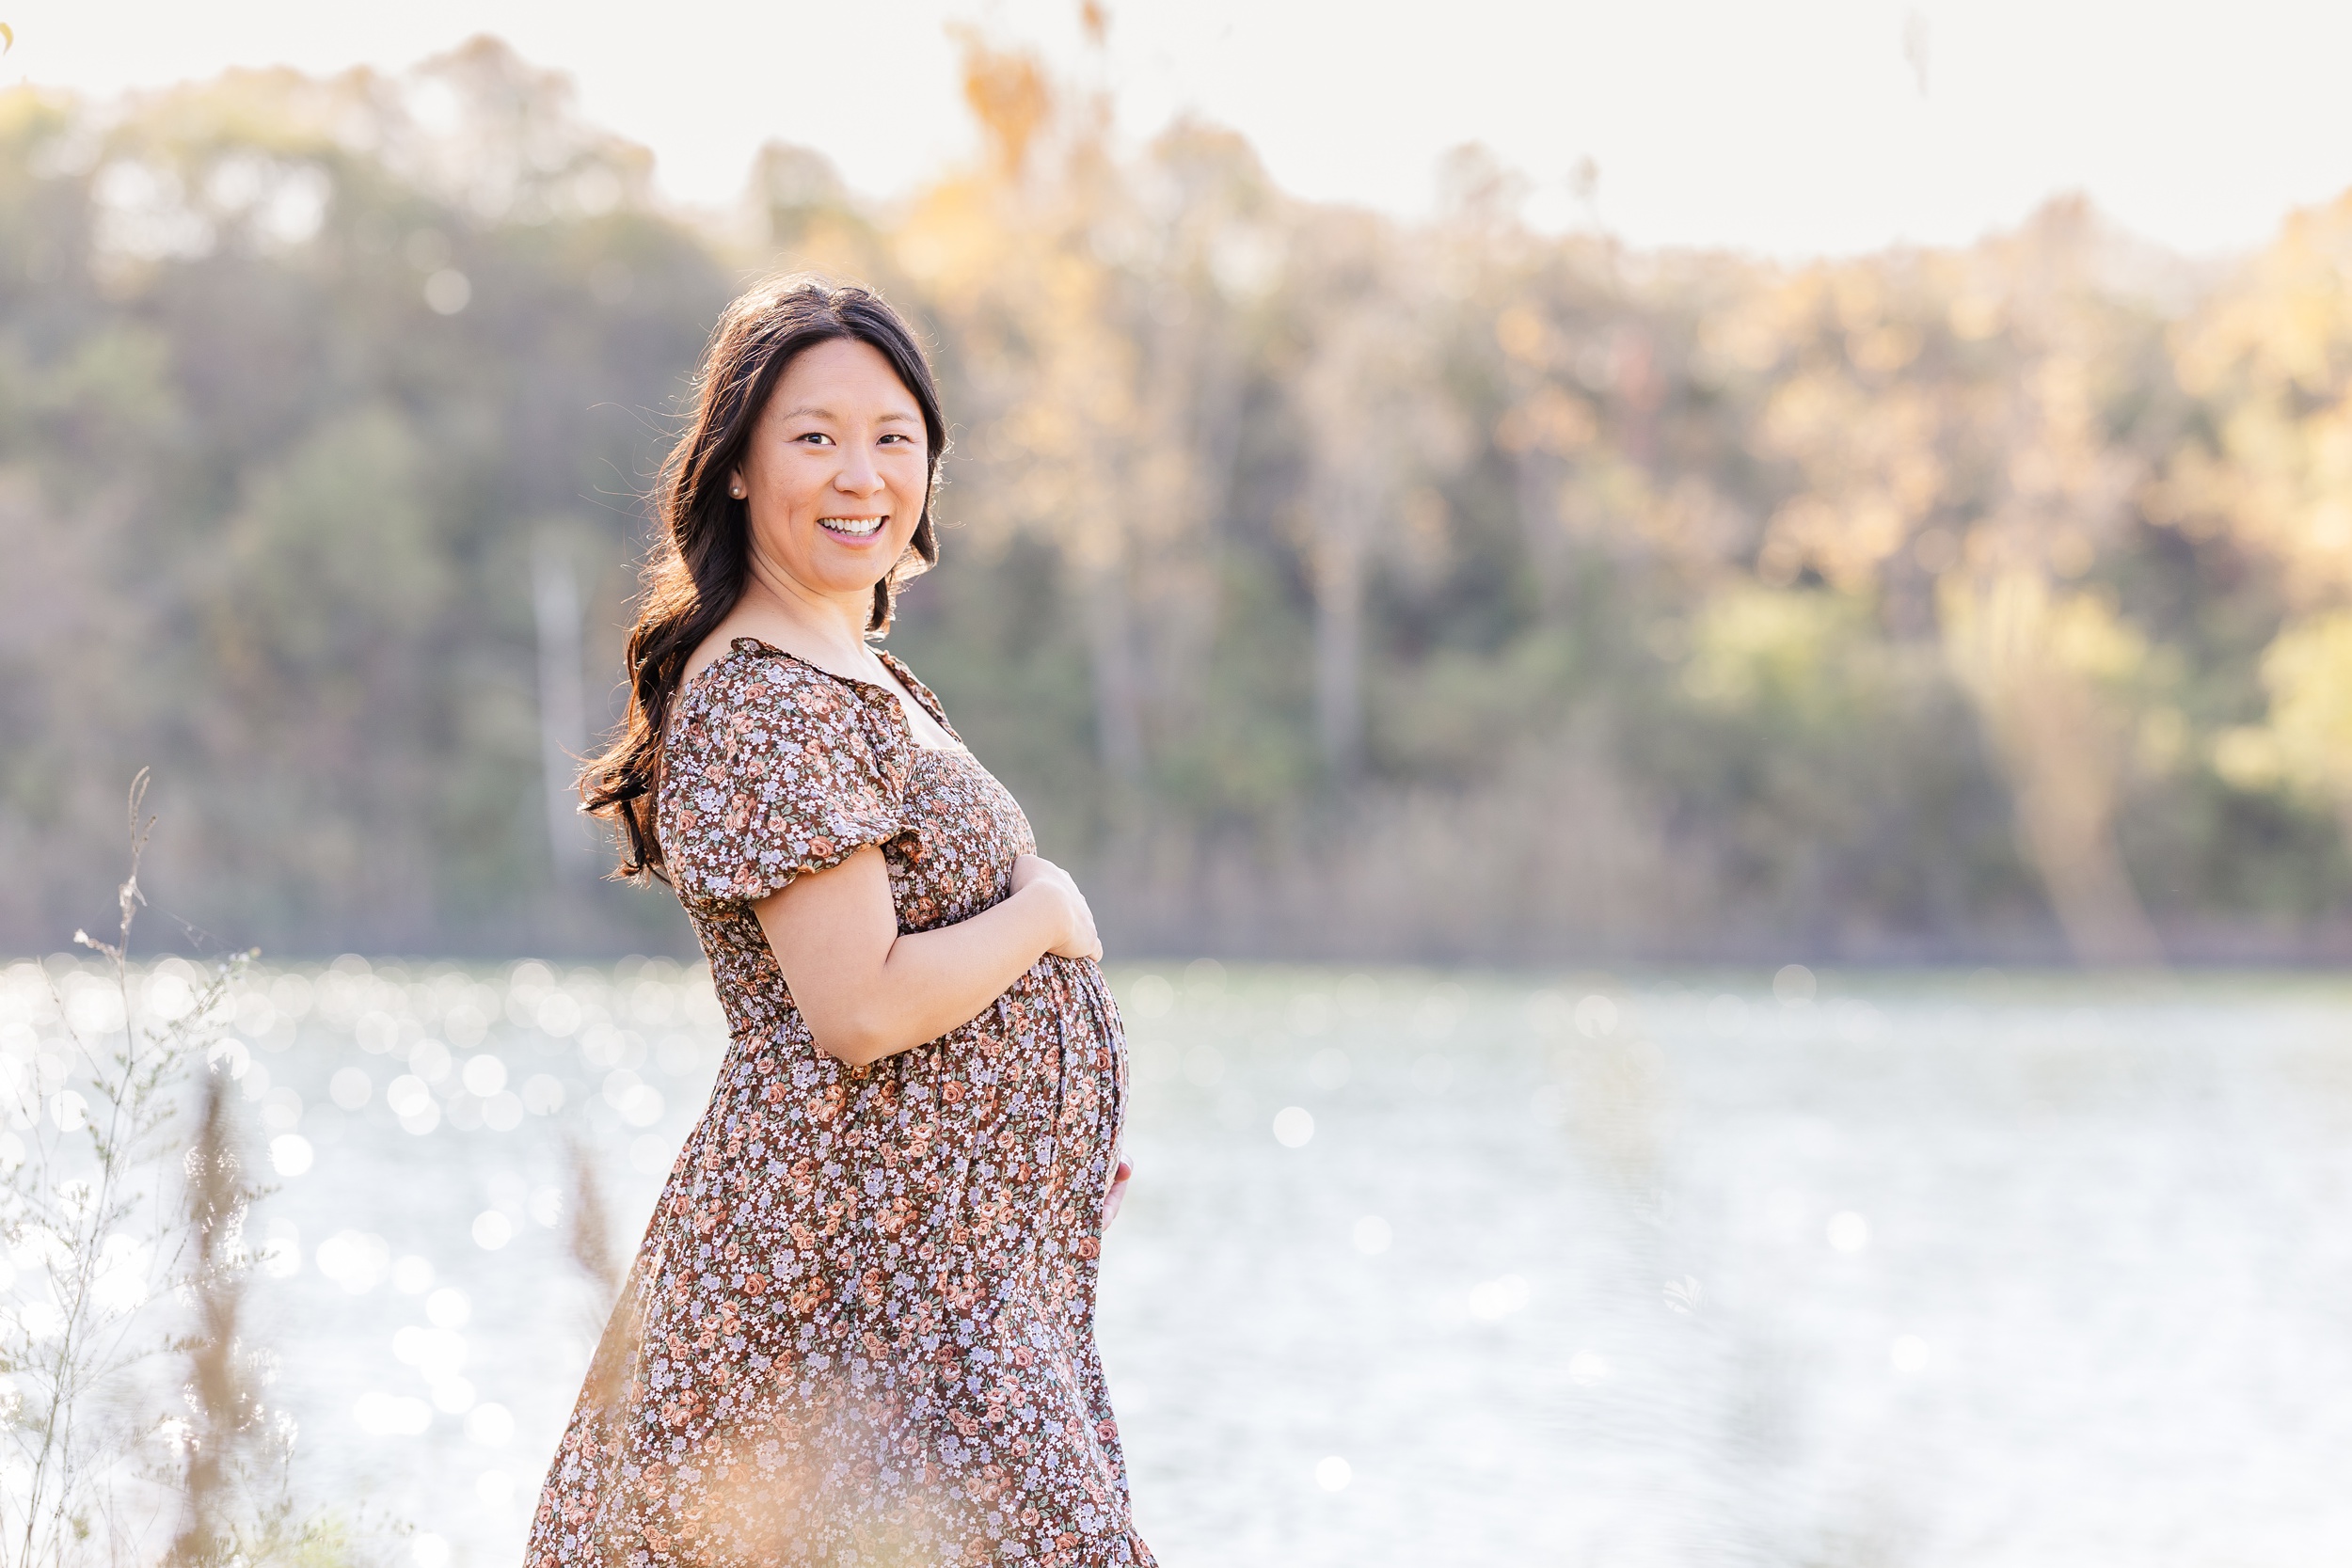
(1324, 584)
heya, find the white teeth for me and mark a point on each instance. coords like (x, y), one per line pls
(856, 526)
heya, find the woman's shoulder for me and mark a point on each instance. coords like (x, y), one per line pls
(754, 693)
(763, 720)
(768, 775)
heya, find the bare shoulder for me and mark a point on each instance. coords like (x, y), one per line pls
(752, 623)
(711, 650)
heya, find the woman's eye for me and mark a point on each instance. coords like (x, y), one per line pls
(814, 436)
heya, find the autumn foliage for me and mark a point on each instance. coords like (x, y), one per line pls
(1325, 584)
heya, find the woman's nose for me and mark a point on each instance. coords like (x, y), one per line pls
(858, 475)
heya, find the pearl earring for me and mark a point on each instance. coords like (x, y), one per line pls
(737, 491)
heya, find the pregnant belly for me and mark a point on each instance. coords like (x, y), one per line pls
(1036, 1089)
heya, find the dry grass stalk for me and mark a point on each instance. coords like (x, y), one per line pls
(224, 1414)
(120, 1230)
(590, 1236)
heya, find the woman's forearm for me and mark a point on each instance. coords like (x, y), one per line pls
(935, 980)
(866, 991)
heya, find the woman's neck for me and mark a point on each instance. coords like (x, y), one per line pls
(827, 630)
(820, 628)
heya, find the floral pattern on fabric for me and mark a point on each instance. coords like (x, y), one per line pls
(860, 1329)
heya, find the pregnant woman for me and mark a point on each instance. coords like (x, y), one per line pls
(859, 1328)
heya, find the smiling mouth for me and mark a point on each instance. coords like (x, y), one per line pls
(852, 528)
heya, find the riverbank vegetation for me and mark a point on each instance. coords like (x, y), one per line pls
(132, 1393)
(1324, 584)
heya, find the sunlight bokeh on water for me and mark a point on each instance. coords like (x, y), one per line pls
(1425, 1269)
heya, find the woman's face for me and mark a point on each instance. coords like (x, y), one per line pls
(834, 476)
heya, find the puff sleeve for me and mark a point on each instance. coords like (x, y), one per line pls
(772, 773)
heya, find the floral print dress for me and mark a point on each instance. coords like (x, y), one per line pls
(860, 1329)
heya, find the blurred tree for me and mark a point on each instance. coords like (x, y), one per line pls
(1323, 584)
(2270, 358)
(1374, 424)
(1953, 418)
(2040, 667)
(326, 358)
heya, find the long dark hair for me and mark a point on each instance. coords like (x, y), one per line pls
(701, 544)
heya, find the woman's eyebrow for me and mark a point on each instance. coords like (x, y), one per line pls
(810, 411)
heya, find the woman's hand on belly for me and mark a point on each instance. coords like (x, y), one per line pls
(866, 991)
(1079, 941)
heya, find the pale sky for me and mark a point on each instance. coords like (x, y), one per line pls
(1799, 128)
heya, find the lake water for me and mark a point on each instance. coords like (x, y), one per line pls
(1427, 1269)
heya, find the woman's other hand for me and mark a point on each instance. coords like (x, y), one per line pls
(1039, 878)
(1118, 1192)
